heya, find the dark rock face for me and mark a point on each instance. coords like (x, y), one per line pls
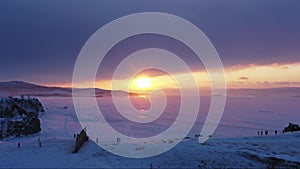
(292, 127)
(80, 140)
(19, 116)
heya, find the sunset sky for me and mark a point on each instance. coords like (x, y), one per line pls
(249, 76)
(258, 41)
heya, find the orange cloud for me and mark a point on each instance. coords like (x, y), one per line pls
(239, 76)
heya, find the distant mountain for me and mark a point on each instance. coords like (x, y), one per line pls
(268, 92)
(17, 88)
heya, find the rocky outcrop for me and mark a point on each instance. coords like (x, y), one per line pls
(80, 140)
(19, 116)
(292, 127)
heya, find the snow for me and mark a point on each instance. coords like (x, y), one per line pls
(234, 143)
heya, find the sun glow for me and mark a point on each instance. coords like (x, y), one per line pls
(142, 83)
(239, 76)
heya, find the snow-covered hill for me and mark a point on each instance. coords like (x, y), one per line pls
(17, 88)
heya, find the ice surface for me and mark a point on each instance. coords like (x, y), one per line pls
(234, 144)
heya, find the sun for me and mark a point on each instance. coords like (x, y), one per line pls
(142, 83)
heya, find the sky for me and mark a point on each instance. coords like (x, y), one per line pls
(257, 41)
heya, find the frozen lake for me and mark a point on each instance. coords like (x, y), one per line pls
(243, 116)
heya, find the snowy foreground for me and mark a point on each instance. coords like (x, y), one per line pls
(59, 123)
(281, 151)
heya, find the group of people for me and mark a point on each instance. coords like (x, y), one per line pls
(266, 132)
(39, 143)
(118, 140)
